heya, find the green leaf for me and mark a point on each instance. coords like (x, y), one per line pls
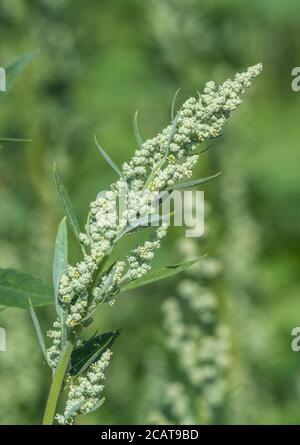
(108, 159)
(158, 166)
(91, 351)
(38, 330)
(191, 184)
(67, 206)
(206, 148)
(109, 276)
(75, 408)
(100, 403)
(137, 131)
(16, 67)
(70, 412)
(133, 227)
(159, 274)
(213, 138)
(60, 266)
(171, 135)
(60, 259)
(17, 287)
(173, 104)
(143, 223)
(14, 140)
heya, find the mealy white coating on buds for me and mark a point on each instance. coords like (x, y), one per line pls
(139, 258)
(53, 353)
(198, 120)
(105, 290)
(77, 311)
(86, 395)
(158, 164)
(77, 279)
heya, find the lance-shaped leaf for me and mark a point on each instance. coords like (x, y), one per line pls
(109, 277)
(75, 408)
(38, 330)
(17, 287)
(14, 140)
(212, 138)
(16, 67)
(109, 160)
(91, 351)
(159, 274)
(171, 135)
(144, 222)
(159, 165)
(60, 266)
(137, 131)
(100, 403)
(60, 259)
(206, 148)
(173, 104)
(191, 184)
(67, 206)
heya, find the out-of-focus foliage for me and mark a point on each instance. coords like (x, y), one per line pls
(198, 347)
(99, 62)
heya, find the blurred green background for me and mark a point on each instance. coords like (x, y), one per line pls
(99, 62)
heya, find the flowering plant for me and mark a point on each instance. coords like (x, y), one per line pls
(158, 165)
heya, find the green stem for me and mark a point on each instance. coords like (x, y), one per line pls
(56, 385)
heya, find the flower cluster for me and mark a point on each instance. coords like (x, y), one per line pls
(77, 279)
(85, 396)
(108, 285)
(199, 342)
(171, 155)
(157, 165)
(53, 353)
(140, 257)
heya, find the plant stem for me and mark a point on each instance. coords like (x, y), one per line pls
(56, 385)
